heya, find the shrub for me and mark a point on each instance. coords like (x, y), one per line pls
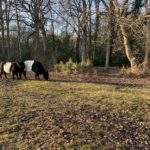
(72, 67)
(125, 71)
(60, 67)
(84, 66)
(131, 72)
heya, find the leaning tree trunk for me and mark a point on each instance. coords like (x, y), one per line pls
(127, 47)
(146, 59)
(128, 52)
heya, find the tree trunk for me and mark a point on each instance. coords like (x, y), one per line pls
(28, 45)
(77, 47)
(18, 30)
(107, 53)
(97, 21)
(107, 60)
(53, 51)
(7, 12)
(37, 23)
(128, 51)
(146, 59)
(53, 29)
(2, 29)
(44, 45)
(84, 32)
(37, 40)
(90, 31)
(111, 26)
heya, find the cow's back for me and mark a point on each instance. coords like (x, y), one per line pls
(28, 65)
(7, 67)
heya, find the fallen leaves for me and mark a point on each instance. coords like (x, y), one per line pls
(74, 115)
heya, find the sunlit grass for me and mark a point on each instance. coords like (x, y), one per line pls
(64, 115)
(89, 93)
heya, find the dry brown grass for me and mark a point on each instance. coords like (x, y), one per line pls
(75, 112)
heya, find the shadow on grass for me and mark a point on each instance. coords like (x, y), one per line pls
(113, 83)
(122, 85)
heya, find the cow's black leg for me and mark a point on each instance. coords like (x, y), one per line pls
(13, 75)
(20, 76)
(35, 76)
(17, 76)
(5, 75)
(2, 73)
(24, 73)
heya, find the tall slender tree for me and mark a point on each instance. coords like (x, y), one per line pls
(2, 27)
(18, 29)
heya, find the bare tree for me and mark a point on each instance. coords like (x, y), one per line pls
(38, 10)
(146, 59)
(7, 17)
(121, 19)
(2, 27)
(90, 29)
(97, 26)
(18, 30)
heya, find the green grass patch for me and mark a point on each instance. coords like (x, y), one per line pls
(73, 115)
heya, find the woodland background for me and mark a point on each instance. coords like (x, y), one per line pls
(105, 32)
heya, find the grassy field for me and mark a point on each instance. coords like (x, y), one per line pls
(75, 113)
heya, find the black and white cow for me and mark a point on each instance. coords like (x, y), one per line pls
(36, 67)
(19, 68)
(10, 67)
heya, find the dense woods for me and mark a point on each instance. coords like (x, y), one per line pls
(106, 32)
